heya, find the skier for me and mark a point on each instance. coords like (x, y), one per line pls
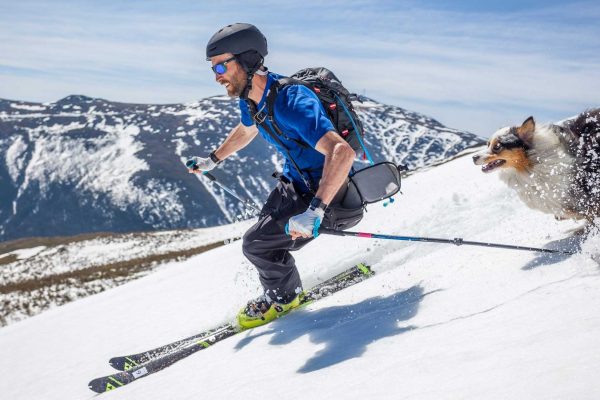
(313, 177)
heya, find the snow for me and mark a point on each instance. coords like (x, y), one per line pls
(15, 158)
(28, 107)
(40, 262)
(436, 322)
(100, 165)
(23, 254)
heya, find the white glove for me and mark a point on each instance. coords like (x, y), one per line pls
(306, 224)
(199, 164)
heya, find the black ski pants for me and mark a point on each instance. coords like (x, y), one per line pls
(268, 247)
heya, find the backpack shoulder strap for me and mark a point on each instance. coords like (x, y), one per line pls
(275, 89)
(270, 107)
(275, 136)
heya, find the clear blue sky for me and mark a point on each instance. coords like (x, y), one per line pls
(473, 65)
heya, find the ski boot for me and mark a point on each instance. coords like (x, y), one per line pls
(262, 310)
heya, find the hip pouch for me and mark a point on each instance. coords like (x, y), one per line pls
(369, 185)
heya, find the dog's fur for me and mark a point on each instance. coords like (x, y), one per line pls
(553, 168)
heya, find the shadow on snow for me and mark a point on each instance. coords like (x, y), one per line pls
(571, 243)
(345, 330)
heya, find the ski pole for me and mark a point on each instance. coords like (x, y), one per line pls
(247, 203)
(455, 241)
(191, 164)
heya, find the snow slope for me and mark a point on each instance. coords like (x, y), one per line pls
(436, 322)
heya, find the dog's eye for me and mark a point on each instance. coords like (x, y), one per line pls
(497, 147)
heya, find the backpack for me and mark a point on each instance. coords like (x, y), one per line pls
(336, 100)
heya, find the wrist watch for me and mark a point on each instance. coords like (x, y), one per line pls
(214, 158)
(316, 203)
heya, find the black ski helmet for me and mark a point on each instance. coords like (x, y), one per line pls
(237, 39)
(246, 43)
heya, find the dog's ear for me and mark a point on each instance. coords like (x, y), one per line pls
(526, 130)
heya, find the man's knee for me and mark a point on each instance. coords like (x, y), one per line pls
(247, 242)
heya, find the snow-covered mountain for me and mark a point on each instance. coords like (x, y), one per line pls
(89, 165)
(436, 322)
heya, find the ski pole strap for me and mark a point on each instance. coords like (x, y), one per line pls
(455, 241)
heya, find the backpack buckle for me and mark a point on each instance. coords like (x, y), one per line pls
(259, 117)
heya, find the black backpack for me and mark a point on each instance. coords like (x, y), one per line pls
(336, 100)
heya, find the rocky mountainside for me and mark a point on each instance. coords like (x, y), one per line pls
(84, 164)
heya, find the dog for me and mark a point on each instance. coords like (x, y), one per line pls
(554, 168)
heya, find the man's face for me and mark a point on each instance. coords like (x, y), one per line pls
(234, 78)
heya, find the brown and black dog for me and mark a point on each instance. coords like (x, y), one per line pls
(553, 168)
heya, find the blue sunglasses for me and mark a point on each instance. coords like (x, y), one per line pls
(221, 67)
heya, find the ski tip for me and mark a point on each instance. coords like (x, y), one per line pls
(123, 363)
(110, 382)
(100, 385)
(116, 363)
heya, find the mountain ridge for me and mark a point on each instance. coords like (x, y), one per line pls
(84, 164)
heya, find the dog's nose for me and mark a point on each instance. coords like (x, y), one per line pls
(476, 158)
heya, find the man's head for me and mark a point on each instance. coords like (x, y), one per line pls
(236, 52)
(229, 73)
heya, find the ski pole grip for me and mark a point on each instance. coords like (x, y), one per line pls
(191, 164)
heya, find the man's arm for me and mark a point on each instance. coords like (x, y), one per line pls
(339, 157)
(238, 138)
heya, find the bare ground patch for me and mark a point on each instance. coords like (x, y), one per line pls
(30, 296)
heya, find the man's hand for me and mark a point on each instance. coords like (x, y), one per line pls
(305, 225)
(197, 165)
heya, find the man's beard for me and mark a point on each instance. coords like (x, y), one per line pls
(236, 87)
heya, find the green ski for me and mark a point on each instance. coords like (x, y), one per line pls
(139, 365)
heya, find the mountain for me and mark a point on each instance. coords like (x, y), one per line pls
(437, 321)
(84, 164)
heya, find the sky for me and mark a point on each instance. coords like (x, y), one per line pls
(475, 66)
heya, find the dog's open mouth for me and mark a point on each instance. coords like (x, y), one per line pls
(493, 165)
